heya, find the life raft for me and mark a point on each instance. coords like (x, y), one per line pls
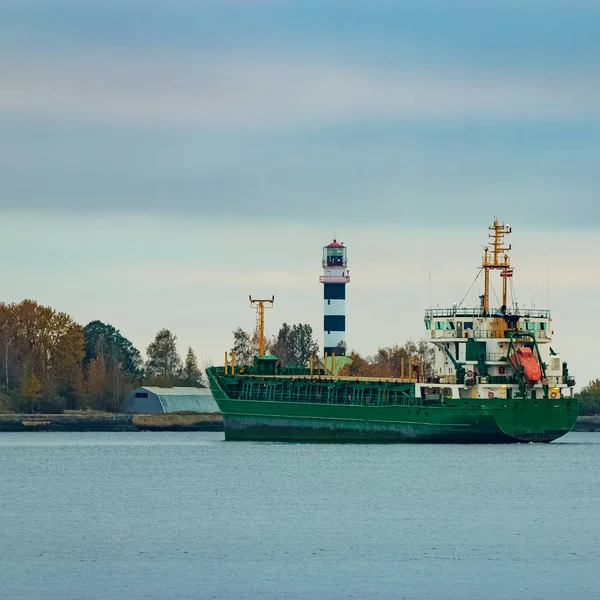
(531, 369)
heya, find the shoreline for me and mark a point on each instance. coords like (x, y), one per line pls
(112, 422)
(156, 422)
(587, 423)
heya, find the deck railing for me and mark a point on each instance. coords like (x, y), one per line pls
(535, 313)
(482, 334)
(329, 392)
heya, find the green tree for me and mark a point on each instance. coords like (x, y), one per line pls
(281, 345)
(303, 344)
(104, 338)
(589, 398)
(243, 347)
(340, 349)
(164, 361)
(294, 345)
(191, 374)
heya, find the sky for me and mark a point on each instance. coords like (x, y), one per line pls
(160, 161)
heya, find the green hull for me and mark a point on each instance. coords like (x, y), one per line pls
(488, 421)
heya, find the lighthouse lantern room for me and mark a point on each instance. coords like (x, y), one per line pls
(334, 279)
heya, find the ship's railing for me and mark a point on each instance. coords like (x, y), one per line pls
(535, 313)
(330, 392)
(483, 334)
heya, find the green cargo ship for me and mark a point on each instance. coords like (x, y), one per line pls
(494, 378)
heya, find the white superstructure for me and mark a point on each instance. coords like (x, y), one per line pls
(503, 352)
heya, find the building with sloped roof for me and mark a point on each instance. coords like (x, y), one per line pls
(150, 399)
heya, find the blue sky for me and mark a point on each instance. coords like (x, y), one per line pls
(159, 161)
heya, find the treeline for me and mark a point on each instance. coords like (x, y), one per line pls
(51, 363)
(589, 398)
(393, 361)
(293, 345)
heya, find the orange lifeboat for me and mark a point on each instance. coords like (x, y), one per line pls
(531, 367)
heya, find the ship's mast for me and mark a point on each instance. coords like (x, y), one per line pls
(259, 332)
(495, 257)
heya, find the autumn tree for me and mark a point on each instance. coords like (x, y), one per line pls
(387, 362)
(30, 389)
(96, 383)
(80, 389)
(190, 374)
(40, 344)
(164, 361)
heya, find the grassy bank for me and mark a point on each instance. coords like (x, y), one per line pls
(99, 421)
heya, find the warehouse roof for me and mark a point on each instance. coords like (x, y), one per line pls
(175, 399)
(178, 391)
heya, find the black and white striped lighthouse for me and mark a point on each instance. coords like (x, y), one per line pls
(334, 279)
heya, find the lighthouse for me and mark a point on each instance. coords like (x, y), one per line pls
(334, 279)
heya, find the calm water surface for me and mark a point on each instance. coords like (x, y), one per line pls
(187, 515)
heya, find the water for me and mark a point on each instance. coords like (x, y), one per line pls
(186, 515)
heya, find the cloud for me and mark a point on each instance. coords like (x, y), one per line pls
(230, 92)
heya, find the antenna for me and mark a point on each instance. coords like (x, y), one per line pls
(259, 332)
(495, 257)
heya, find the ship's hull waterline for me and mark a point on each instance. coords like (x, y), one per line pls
(497, 421)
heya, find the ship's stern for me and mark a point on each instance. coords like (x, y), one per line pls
(543, 420)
